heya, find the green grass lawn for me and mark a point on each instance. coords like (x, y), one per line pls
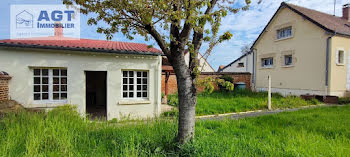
(324, 131)
(238, 101)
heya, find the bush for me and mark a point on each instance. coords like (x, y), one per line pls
(227, 78)
(173, 100)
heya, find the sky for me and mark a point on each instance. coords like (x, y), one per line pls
(245, 26)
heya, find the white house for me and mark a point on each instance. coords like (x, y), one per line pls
(242, 64)
(102, 78)
(204, 66)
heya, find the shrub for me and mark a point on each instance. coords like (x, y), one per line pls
(227, 79)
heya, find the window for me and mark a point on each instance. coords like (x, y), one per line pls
(240, 65)
(267, 62)
(50, 84)
(288, 60)
(284, 33)
(340, 57)
(135, 84)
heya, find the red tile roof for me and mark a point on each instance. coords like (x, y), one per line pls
(329, 22)
(82, 45)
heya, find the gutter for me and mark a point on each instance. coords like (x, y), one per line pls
(327, 62)
(80, 49)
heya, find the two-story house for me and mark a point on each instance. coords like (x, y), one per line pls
(304, 51)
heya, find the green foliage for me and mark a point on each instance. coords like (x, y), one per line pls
(220, 102)
(209, 84)
(62, 132)
(344, 100)
(173, 100)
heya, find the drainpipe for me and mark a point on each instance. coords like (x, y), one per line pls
(253, 50)
(327, 63)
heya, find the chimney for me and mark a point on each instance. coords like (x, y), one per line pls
(346, 12)
(58, 29)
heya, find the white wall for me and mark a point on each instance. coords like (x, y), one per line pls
(246, 60)
(19, 64)
(204, 66)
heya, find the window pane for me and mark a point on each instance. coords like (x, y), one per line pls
(138, 74)
(144, 94)
(138, 87)
(139, 94)
(125, 74)
(131, 94)
(37, 72)
(63, 72)
(63, 80)
(144, 87)
(125, 87)
(36, 80)
(36, 96)
(144, 74)
(56, 72)
(63, 87)
(56, 88)
(125, 94)
(131, 87)
(56, 80)
(125, 81)
(144, 81)
(45, 96)
(45, 88)
(56, 96)
(131, 80)
(131, 74)
(63, 96)
(139, 81)
(45, 72)
(45, 80)
(37, 88)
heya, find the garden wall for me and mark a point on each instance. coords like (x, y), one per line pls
(238, 77)
(4, 89)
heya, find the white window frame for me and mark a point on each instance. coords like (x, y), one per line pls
(50, 88)
(285, 32)
(135, 84)
(337, 57)
(263, 65)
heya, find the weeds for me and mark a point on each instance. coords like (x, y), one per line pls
(240, 101)
(322, 131)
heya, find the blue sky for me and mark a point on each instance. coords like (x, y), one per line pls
(245, 26)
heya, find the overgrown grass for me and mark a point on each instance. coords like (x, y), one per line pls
(241, 100)
(313, 132)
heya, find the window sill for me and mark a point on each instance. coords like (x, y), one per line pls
(268, 67)
(134, 102)
(287, 66)
(43, 102)
(276, 40)
(340, 64)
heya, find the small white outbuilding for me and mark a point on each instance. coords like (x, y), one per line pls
(102, 78)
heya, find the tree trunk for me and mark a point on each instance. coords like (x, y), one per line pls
(187, 97)
(187, 109)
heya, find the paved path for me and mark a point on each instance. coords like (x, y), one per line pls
(239, 115)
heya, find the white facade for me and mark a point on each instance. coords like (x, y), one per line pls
(20, 62)
(204, 66)
(242, 64)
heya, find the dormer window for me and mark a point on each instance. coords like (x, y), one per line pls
(284, 33)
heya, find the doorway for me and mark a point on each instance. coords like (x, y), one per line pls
(96, 94)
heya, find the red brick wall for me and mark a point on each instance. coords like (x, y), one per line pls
(4, 89)
(238, 77)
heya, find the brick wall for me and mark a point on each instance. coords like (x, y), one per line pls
(238, 77)
(4, 89)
